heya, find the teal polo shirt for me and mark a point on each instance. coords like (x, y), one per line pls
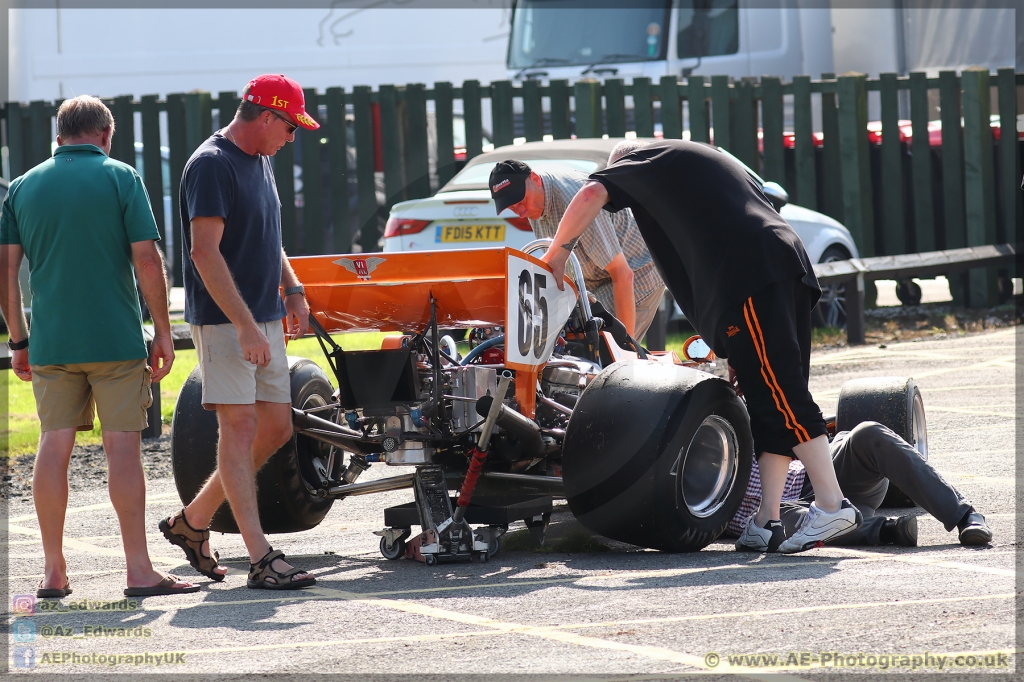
(76, 216)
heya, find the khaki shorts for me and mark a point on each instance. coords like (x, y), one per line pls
(69, 396)
(646, 310)
(230, 379)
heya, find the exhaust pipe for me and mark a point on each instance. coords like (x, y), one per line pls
(521, 428)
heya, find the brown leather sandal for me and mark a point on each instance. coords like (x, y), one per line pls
(178, 532)
(261, 570)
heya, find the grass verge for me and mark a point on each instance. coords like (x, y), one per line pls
(22, 428)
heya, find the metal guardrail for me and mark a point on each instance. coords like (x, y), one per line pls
(928, 264)
(855, 270)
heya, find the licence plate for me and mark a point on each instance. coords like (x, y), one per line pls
(448, 234)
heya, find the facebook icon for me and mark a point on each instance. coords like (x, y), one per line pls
(24, 657)
(24, 631)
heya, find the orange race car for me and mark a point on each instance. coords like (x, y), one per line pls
(550, 402)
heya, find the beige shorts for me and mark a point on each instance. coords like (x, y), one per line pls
(646, 310)
(69, 396)
(230, 379)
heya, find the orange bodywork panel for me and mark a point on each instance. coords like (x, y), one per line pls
(391, 291)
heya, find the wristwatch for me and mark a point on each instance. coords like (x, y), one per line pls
(288, 291)
(18, 345)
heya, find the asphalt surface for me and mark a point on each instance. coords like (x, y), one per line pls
(611, 610)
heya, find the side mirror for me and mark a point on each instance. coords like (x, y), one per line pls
(778, 196)
(696, 349)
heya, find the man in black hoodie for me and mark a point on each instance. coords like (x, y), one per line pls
(741, 275)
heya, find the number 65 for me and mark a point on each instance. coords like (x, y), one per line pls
(531, 337)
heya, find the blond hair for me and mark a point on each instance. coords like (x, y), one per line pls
(623, 148)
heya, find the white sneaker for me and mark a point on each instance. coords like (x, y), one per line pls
(817, 527)
(757, 539)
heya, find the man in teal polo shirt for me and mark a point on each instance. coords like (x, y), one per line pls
(84, 222)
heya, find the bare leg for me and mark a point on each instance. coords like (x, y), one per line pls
(816, 459)
(127, 486)
(271, 433)
(774, 470)
(50, 494)
(237, 471)
(273, 429)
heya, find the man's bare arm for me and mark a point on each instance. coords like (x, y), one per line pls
(297, 310)
(149, 270)
(582, 210)
(10, 301)
(622, 292)
(207, 233)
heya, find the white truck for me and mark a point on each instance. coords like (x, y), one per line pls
(653, 38)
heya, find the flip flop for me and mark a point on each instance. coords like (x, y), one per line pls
(165, 586)
(54, 592)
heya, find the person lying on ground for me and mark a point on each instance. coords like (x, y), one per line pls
(867, 460)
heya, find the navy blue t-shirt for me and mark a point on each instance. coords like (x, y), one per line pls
(220, 180)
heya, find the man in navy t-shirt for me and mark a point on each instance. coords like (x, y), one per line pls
(234, 267)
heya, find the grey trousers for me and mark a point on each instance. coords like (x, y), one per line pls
(866, 459)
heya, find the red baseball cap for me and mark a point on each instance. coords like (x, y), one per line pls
(275, 91)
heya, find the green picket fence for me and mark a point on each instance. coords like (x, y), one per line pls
(893, 196)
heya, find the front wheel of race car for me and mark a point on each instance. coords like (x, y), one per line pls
(657, 456)
(286, 485)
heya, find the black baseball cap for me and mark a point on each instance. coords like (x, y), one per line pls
(508, 183)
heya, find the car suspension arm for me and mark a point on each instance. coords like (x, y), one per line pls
(331, 433)
(479, 453)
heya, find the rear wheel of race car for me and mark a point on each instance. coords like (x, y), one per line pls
(657, 455)
(286, 484)
(894, 402)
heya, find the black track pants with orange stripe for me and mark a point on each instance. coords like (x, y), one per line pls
(768, 339)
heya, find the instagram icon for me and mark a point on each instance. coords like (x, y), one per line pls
(23, 604)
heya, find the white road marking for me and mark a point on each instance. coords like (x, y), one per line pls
(562, 634)
(970, 410)
(102, 506)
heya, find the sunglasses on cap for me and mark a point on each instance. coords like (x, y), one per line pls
(291, 126)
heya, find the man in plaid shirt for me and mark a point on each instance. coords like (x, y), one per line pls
(617, 267)
(866, 460)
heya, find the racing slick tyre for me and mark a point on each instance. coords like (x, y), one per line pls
(894, 402)
(657, 455)
(286, 485)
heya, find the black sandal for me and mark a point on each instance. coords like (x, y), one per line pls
(191, 540)
(261, 570)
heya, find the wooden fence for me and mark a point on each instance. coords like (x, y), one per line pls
(896, 196)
